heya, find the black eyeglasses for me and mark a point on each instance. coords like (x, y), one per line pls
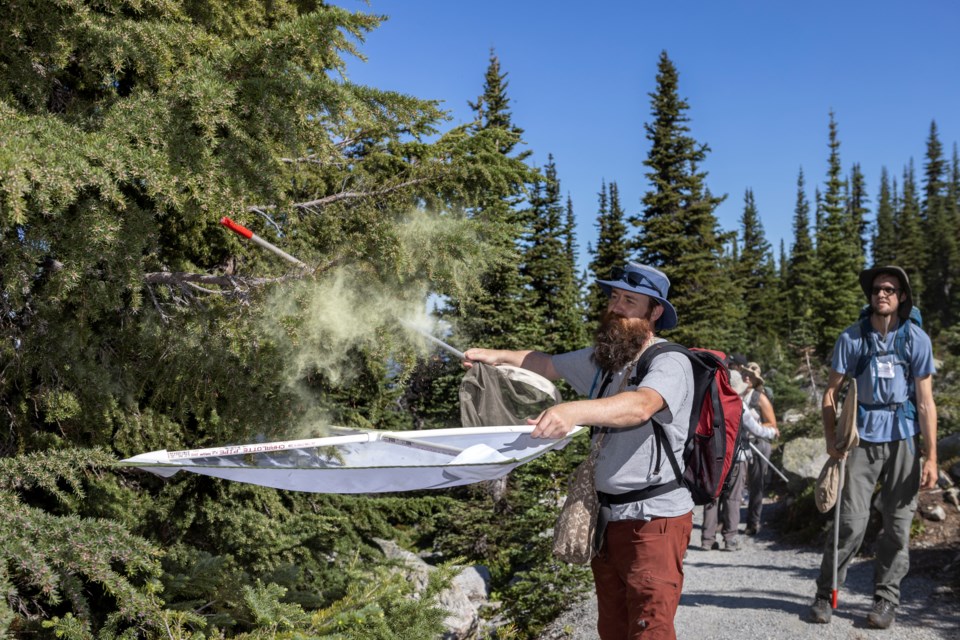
(634, 278)
(887, 291)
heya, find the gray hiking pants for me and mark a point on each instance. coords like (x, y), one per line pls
(756, 479)
(725, 510)
(896, 468)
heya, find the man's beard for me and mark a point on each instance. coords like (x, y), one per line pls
(618, 340)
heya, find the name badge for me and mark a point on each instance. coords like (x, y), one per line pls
(885, 370)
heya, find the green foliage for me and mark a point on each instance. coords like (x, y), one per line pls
(677, 230)
(511, 536)
(802, 274)
(611, 250)
(382, 608)
(939, 215)
(839, 256)
(884, 239)
(911, 249)
(757, 277)
(802, 522)
(553, 295)
(93, 572)
(131, 321)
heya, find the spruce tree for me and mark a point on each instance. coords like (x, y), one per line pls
(553, 301)
(611, 250)
(857, 206)
(911, 250)
(757, 277)
(940, 233)
(131, 320)
(885, 240)
(494, 316)
(677, 230)
(802, 274)
(953, 214)
(575, 289)
(839, 256)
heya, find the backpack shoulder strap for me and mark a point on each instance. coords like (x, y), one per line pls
(903, 336)
(867, 350)
(651, 352)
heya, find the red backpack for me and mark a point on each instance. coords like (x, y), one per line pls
(713, 437)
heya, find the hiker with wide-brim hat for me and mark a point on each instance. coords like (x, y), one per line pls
(904, 295)
(756, 475)
(889, 359)
(642, 537)
(723, 513)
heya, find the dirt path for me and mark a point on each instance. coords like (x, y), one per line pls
(764, 591)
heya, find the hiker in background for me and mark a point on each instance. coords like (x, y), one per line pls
(725, 510)
(890, 358)
(759, 403)
(646, 538)
(736, 362)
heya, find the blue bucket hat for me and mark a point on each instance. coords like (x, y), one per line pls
(640, 278)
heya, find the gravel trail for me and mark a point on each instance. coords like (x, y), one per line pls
(764, 590)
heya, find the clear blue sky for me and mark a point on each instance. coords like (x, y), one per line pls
(760, 77)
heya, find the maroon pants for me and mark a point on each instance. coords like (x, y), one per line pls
(639, 577)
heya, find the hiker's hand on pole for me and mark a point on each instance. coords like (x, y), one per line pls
(485, 356)
(555, 422)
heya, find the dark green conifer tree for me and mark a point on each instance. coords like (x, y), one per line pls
(953, 213)
(553, 299)
(575, 289)
(611, 250)
(884, 241)
(677, 230)
(911, 250)
(839, 257)
(784, 320)
(495, 315)
(801, 275)
(131, 321)
(757, 278)
(941, 237)
(857, 206)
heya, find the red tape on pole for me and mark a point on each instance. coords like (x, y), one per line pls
(233, 226)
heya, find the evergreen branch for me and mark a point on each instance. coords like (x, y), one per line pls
(236, 283)
(231, 282)
(344, 195)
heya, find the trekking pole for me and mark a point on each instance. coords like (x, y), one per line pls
(767, 460)
(836, 531)
(429, 336)
(250, 235)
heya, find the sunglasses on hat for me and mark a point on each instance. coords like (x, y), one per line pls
(634, 278)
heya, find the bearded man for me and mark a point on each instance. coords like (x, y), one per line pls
(638, 570)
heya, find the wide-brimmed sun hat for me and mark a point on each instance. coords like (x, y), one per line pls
(867, 277)
(649, 281)
(753, 370)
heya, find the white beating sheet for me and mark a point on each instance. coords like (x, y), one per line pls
(363, 461)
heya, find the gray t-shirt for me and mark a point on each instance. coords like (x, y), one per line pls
(628, 456)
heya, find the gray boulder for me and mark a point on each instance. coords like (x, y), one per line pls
(803, 459)
(948, 447)
(467, 594)
(792, 416)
